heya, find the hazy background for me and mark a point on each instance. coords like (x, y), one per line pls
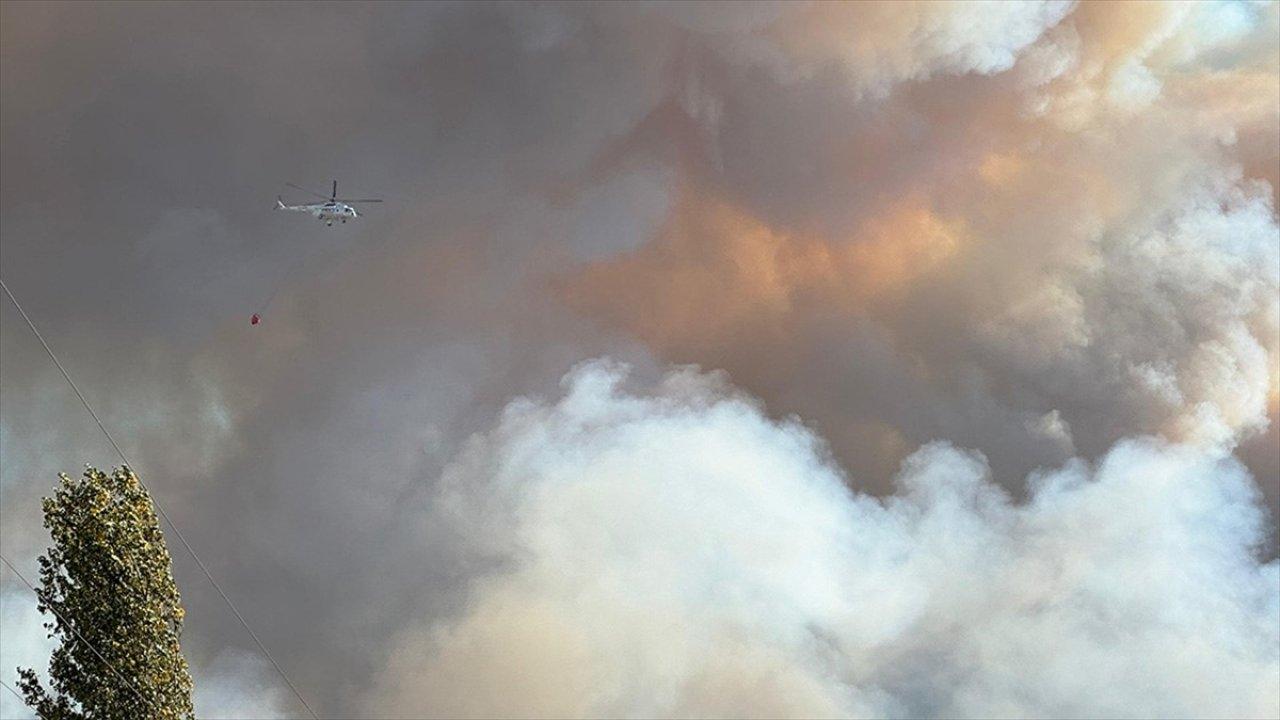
(984, 301)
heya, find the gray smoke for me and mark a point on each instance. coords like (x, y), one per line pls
(960, 243)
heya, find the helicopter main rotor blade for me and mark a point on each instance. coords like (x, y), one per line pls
(349, 200)
(309, 192)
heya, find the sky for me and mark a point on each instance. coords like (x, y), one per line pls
(770, 359)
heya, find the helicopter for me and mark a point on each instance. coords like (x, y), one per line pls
(332, 209)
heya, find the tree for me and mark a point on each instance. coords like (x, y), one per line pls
(108, 584)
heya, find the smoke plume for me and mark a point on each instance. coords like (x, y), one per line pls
(676, 553)
(787, 359)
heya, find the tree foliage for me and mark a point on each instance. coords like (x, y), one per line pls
(108, 586)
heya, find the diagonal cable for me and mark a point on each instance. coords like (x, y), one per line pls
(54, 610)
(24, 701)
(156, 501)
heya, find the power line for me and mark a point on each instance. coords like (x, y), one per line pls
(156, 501)
(15, 692)
(113, 669)
(20, 698)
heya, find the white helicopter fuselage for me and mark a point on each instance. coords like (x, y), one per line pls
(327, 212)
(333, 209)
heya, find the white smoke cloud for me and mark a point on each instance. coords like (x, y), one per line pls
(881, 44)
(1178, 312)
(1103, 63)
(678, 553)
(1112, 256)
(873, 45)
